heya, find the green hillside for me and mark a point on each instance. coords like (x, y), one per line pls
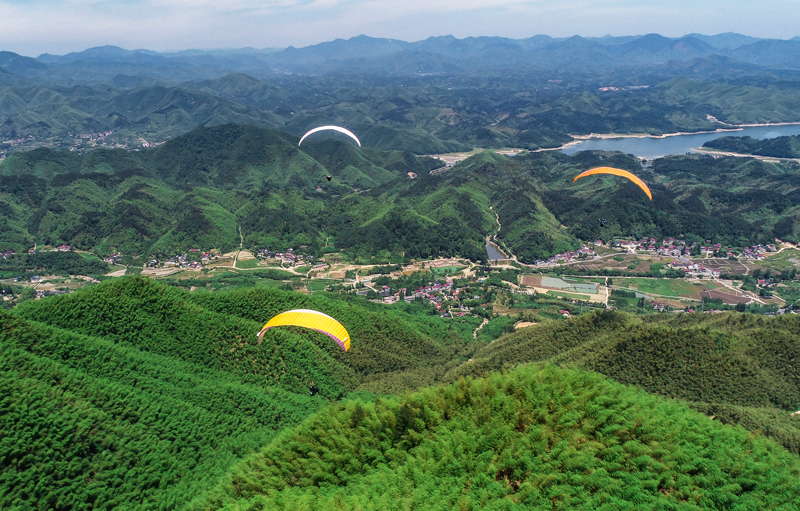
(526, 439)
(205, 189)
(88, 422)
(140, 395)
(217, 330)
(136, 394)
(742, 368)
(440, 111)
(779, 147)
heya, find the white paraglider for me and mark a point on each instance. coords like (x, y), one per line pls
(334, 128)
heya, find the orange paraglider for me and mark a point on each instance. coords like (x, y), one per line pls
(617, 172)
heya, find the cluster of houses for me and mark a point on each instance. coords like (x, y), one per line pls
(20, 141)
(618, 89)
(7, 254)
(677, 247)
(182, 261)
(434, 293)
(661, 308)
(289, 256)
(92, 136)
(569, 256)
(669, 246)
(693, 269)
(756, 252)
(42, 293)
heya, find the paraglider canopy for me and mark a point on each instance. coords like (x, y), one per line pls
(334, 128)
(313, 320)
(616, 172)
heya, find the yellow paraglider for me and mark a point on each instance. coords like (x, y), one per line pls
(313, 320)
(617, 172)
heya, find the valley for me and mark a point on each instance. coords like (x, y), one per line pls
(480, 329)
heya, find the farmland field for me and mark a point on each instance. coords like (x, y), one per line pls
(665, 287)
(445, 271)
(573, 296)
(724, 265)
(786, 260)
(320, 284)
(247, 263)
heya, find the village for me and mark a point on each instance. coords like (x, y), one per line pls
(705, 265)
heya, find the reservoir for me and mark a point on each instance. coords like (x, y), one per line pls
(493, 251)
(650, 148)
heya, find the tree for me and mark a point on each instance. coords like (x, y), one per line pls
(740, 307)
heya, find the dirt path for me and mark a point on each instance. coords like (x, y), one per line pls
(241, 243)
(475, 333)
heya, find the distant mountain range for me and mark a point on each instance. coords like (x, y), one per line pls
(443, 54)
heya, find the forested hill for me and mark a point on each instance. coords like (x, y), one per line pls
(136, 394)
(199, 190)
(742, 368)
(526, 439)
(780, 147)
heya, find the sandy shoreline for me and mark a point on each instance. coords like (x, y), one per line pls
(578, 139)
(735, 127)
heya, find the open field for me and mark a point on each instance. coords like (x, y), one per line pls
(578, 290)
(443, 263)
(674, 288)
(786, 260)
(247, 263)
(642, 261)
(155, 272)
(320, 284)
(565, 284)
(444, 271)
(573, 296)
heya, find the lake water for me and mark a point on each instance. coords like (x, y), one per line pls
(679, 144)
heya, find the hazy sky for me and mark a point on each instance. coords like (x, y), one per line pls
(32, 27)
